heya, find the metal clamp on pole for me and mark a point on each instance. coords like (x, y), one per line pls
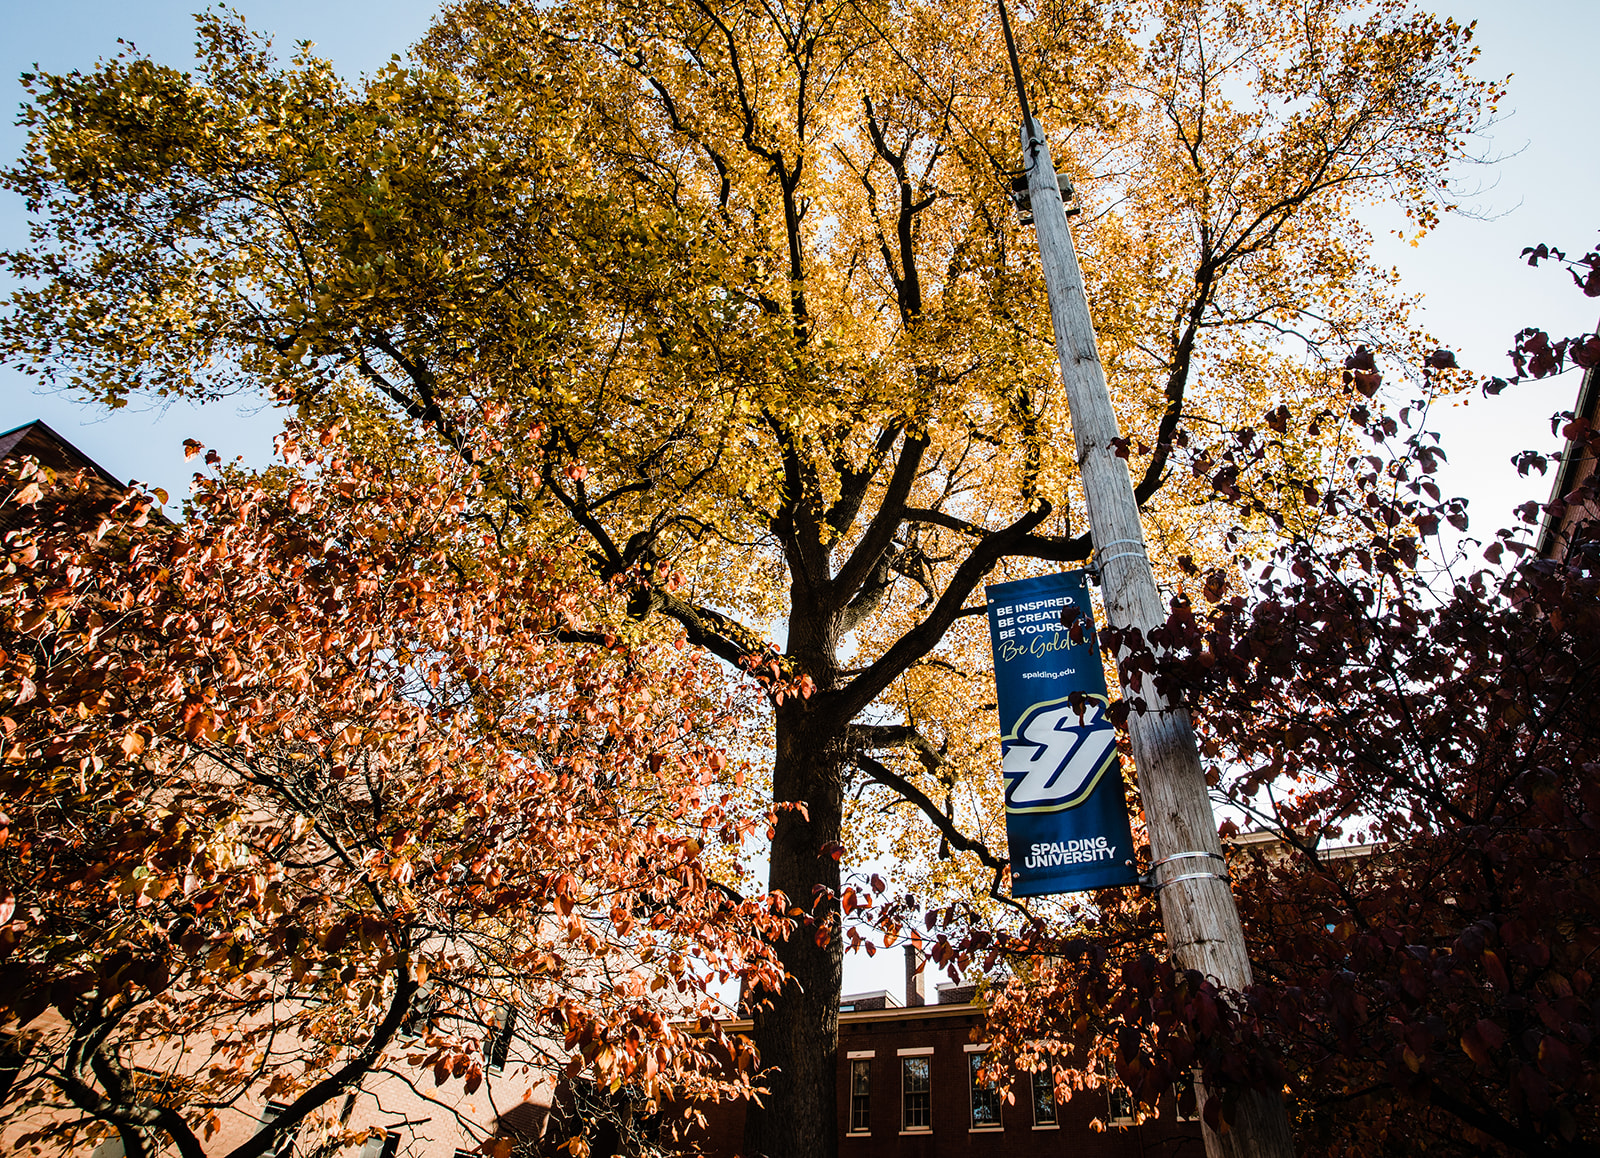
(1096, 562)
(1147, 879)
(1142, 553)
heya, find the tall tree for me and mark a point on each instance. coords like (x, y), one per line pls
(734, 292)
(301, 796)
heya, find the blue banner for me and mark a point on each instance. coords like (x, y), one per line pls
(1066, 820)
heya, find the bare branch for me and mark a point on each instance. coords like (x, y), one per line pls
(914, 795)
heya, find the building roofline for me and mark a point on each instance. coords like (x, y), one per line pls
(893, 1013)
(58, 453)
(911, 1012)
(868, 995)
(81, 461)
(1588, 395)
(1326, 852)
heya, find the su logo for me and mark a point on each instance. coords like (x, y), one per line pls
(1056, 754)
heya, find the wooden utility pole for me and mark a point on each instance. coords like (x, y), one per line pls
(1197, 909)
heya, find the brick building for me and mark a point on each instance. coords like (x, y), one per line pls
(1577, 467)
(909, 1087)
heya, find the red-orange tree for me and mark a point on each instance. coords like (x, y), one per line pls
(312, 769)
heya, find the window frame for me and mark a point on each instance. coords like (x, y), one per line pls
(501, 1037)
(14, 1051)
(860, 1124)
(1047, 1079)
(975, 1060)
(1117, 1091)
(1186, 1086)
(285, 1144)
(419, 1018)
(907, 1062)
(388, 1144)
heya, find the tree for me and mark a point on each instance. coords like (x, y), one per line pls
(1433, 993)
(734, 293)
(306, 791)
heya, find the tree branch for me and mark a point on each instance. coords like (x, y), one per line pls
(880, 532)
(345, 1076)
(1048, 548)
(1177, 382)
(899, 736)
(856, 483)
(923, 638)
(724, 637)
(914, 795)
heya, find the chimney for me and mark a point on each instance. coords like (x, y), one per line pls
(914, 990)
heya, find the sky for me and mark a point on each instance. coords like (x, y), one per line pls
(1476, 291)
(144, 441)
(1538, 185)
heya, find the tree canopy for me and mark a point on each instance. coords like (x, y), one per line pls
(734, 294)
(302, 793)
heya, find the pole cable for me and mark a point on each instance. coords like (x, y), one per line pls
(927, 84)
(1016, 73)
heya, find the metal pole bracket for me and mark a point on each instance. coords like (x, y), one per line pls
(1147, 879)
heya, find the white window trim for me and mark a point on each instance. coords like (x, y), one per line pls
(975, 1047)
(388, 1143)
(270, 1113)
(916, 1051)
(855, 1056)
(1111, 1116)
(1033, 1112)
(1193, 1115)
(998, 1127)
(1033, 1104)
(507, 1015)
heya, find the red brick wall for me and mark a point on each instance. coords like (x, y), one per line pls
(948, 1029)
(1583, 471)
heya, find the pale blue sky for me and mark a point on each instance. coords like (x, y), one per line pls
(1477, 292)
(143, 441)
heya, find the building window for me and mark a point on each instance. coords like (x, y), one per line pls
(1119, 1103)
(1187, 1100)
(500, 1043)
(985, 1093)
(14, 1051)
(381, 1145)
(164, 1089)
(284, 1146)
(418, 1018)
(861, 1097)
(1044, 1098)
(917, 1089)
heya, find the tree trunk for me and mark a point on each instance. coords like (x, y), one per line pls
(797, 1030)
